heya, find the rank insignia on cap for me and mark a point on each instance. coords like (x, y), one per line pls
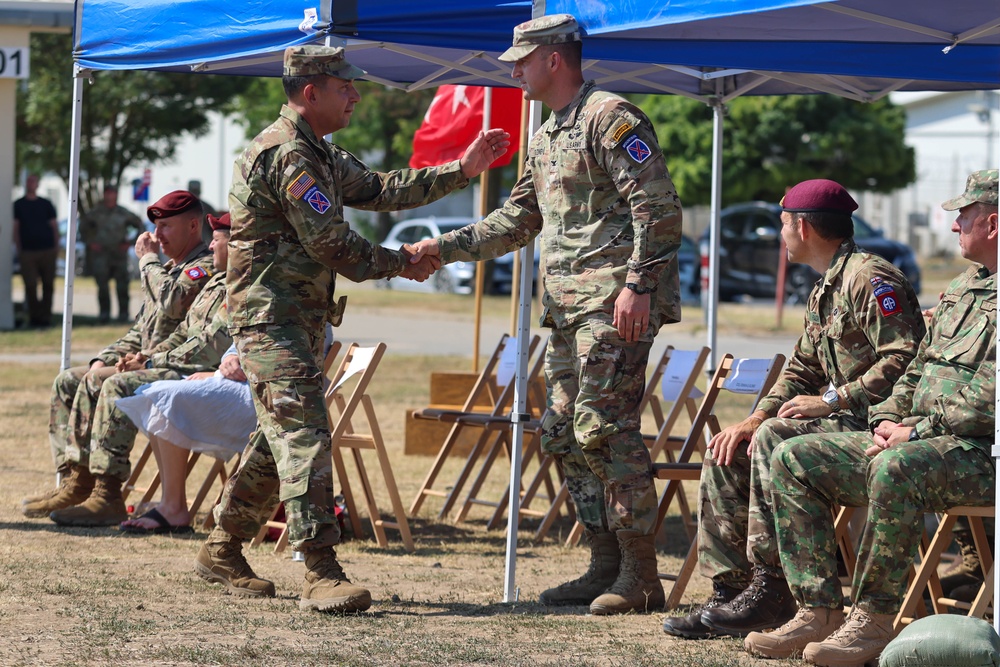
(196, 273)
(638, 149)
(619, 132)
(300, 185)
(317, 200)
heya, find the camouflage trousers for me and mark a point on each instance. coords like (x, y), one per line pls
(105, 266)
(74, 399)
(811, 474)
(596, 381)
(736, 524)
(113, 433)
(289, 453)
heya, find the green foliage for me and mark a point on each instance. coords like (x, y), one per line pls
(129, 118)
(771, 143)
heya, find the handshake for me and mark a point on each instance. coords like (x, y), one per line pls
(424, 258)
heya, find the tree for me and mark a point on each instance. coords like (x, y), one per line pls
(128, 117)
(771, 143)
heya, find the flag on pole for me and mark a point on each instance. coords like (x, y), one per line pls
(455, 117)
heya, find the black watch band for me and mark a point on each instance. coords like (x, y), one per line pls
(638, 289)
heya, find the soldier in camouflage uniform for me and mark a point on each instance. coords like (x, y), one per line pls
(196, 345)
(862, 327)
(168, 292)
(105, 229)
(928, 450)
(289, 242)
(597, 193)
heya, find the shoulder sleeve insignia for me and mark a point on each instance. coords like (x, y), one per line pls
(637, 149)
(619, 131)
(885, 296)
(300, 185)
(317, 200)
(196, 273)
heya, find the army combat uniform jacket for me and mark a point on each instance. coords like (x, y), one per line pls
(109, 227)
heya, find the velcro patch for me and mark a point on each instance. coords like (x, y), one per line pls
(317, 200)
(196, 273)
(888, 302)
(637, 149)
(620, 131)
(300, 185)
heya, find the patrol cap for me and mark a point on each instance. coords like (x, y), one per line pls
(981, 186)
(819, 195)
(554, 29)
(315, 59)
(222, 222)
(171, 204)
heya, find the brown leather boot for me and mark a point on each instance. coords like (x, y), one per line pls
(104, 507)
(327, 588)
(64, 472)
(766, 603)
(811, 624)
(221, 561)
(637, 587)
(75, 487)
(605, 562)
(967, 570)
(690, 626)
(859, 641)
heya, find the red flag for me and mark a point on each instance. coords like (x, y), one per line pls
(455, 117)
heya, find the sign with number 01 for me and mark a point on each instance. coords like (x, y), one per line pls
(13, 62)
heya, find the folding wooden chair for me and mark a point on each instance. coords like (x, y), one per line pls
(744, 376)
(488, 387)
(925, 576)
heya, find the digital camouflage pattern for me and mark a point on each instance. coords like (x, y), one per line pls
(947, 393)
(981, 186)
(849, 341)
(171, 287)
(597, 193)
(289, 240)
(109, 229)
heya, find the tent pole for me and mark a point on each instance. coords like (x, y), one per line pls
(484, 193)
(520, 413)
(74, 193)
(712, 298)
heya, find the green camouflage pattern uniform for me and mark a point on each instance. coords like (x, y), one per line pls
(850, 340)
(168, 292)
(948, 395)
(597, 193)
(289, 242)
(196, 345)
(108, 228)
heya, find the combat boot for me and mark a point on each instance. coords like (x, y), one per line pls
(859, 641)
(637, 587)
(605, 563)
(104, 507)
(327, 588)
(221, 561)
(766, 603)
(64, 471)
(690, 626)
(76, 486)
(810, 624)
(967, 570)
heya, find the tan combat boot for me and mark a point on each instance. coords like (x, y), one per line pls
(221, 561)
(104, 507)
(605, 564)
(810, 624)
(327, 588)
(75, 488)
(859, 641)
(64, 472)
(967, 570)
(637, 587)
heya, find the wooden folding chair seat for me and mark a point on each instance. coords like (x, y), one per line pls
(925, 576)
(744, 376)
(500, 395)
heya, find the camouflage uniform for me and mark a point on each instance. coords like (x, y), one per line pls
(108, 228)
(168, 292)
(289, 241)
(597, 192)
(852, 341)
(947, 394)
(197, 345)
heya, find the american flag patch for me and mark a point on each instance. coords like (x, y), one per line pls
(298, 187)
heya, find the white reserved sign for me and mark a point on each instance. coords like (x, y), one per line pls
(13, 62)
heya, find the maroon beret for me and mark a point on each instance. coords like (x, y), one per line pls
(222, 222)
(172, 204)
(819, 195)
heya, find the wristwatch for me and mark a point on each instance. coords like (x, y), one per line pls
(638, 289)
(914, 435)
(832, 398)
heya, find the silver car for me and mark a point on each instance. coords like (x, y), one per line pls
(454, 278)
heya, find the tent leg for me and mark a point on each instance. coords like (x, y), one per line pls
(74, 193)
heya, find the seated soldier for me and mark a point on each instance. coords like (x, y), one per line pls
(929, 449)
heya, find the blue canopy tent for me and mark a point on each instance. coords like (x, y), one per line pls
(708, 50)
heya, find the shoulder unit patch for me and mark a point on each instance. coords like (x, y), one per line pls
(317, 200)
(196, 273)
(885, 296)
(619, 132)
(637, 149)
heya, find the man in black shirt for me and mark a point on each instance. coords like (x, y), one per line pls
(36, 237)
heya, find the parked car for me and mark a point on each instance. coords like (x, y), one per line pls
(455, 278)
(749, 242)
(689, 267)
(503, 272)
